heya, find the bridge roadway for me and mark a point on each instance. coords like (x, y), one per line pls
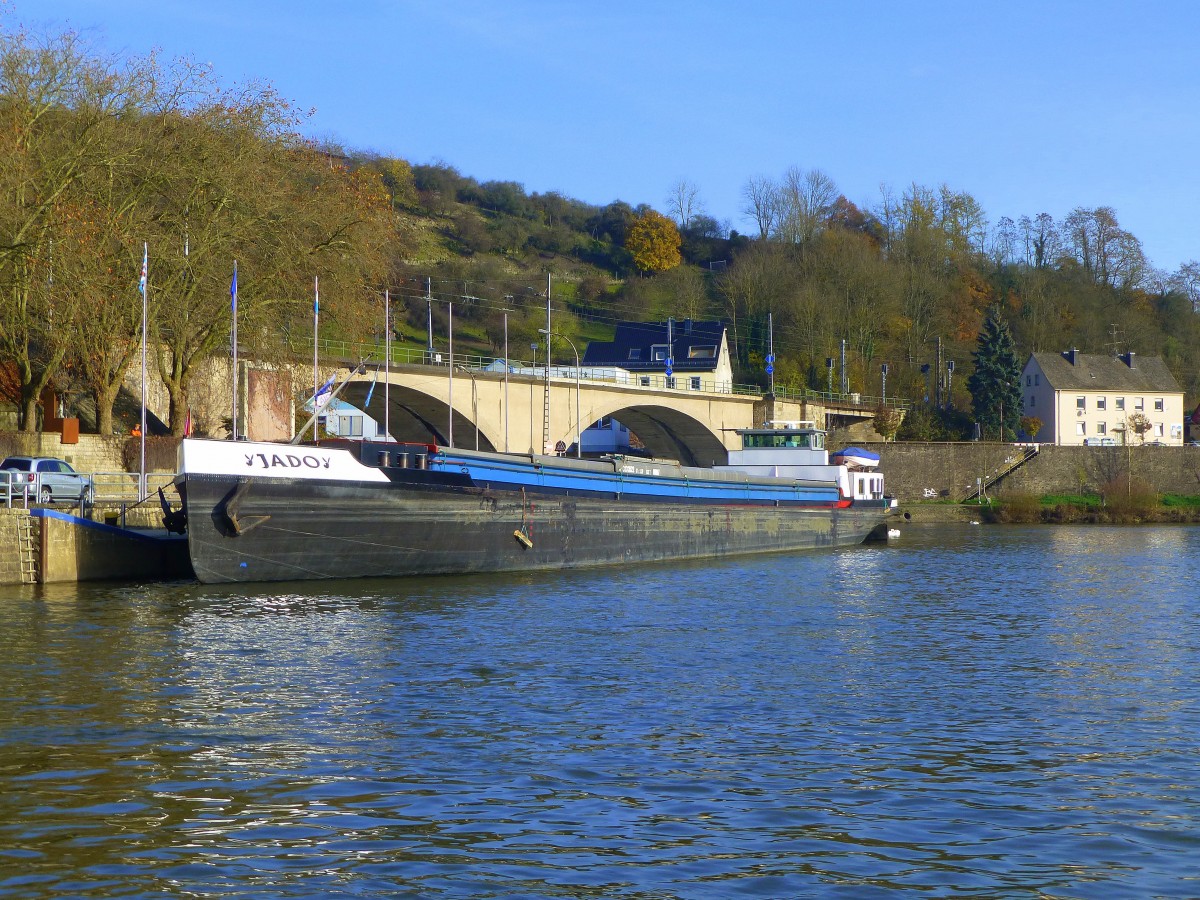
(694, 427)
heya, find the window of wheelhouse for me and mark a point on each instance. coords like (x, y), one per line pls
(783, 439)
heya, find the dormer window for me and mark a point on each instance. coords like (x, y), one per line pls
(702, 352)
(635, 352)
(659, 352)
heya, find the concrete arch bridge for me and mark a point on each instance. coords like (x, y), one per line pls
(476, 408)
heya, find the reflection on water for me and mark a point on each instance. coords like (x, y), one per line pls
(970, 712)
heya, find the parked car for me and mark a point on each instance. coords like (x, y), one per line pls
(49, 479)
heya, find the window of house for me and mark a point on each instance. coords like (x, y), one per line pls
(658, 352)
(350, 426)
(696, 383)
(635, 352)
(1158, 429)
(1101, 428)
(702, 352)
(1081, 428)
(1032, 400)
(1158, 404)
(1139, 403)
(1101, 403)
(671, 382)
(645, 381)
(1120, 403)
(1081, 402)
(1037, 380)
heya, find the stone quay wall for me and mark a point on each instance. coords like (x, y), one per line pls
(915, 471)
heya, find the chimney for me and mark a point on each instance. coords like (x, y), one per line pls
(1070, 355)
(1129, 359)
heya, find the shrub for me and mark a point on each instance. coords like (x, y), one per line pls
(162, 453)
(1019, 508)
(1130, 497)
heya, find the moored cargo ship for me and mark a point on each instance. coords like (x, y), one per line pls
(271, 512)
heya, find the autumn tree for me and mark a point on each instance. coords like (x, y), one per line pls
(60, 110)
(1139, 424)
(887, 421)
(653, 241)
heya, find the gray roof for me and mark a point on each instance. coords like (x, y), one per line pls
(1094, 372)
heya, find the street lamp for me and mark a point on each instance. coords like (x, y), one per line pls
(578, 435)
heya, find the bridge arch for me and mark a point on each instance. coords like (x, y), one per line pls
(416, 416)
(694, 428)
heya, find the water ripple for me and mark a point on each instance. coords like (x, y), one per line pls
(971, 713)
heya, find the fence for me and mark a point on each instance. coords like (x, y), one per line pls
(352, 352)
(109, 487)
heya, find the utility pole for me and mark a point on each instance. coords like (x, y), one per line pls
(771, 351)
(546, 395)
(429, 320)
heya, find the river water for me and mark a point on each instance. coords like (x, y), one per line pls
(969, 712)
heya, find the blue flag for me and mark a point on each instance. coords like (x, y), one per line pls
(145, 270)
(371, 389)
(233, 290)
(325, 387)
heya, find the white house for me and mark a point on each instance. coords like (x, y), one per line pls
(1083, 398)
(345, 420)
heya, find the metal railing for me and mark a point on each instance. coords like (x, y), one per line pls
(10, 492)
(114, 487)
(15, 485)
(351, 352)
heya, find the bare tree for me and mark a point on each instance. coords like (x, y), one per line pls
(760, 202)
(683, 202)
(805, 199)
(1187, 282)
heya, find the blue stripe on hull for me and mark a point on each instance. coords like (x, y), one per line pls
(520, 474)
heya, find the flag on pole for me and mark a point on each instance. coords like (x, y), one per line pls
(233, 290)
(187, 425)
(324, 389)
(145, 269)
(371, 389)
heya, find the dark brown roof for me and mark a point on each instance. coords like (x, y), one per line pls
(1091, 372)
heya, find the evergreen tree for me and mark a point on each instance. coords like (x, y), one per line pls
(995, 385)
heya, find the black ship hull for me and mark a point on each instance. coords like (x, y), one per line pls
(429, 523)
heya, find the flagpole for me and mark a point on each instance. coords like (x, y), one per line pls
(506, 368)
(450, 351)
(142, 465)
(233, 308)
(316, 323)
(387, 363)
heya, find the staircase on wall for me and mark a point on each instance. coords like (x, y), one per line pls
(1010, 465)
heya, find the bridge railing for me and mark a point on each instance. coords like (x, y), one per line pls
(374, 352)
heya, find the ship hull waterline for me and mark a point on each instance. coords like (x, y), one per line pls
(288, 530)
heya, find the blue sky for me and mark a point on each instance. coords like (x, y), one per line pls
(1029, 106)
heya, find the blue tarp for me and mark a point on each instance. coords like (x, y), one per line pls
(859, 452)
